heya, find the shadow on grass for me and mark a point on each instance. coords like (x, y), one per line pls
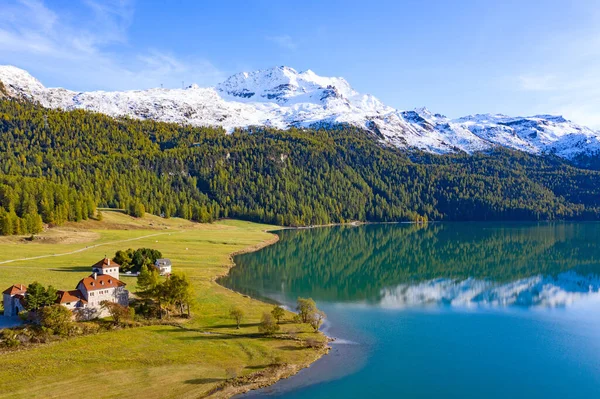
(232, 326)
(291, 348)
(76, 269)
(217, 337)
(201, 381)
(209, 330)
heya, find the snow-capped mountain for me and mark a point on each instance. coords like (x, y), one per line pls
(281, 97)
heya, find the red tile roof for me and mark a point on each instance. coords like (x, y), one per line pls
(70, 296)
(16, 289)
(106, 263)
(101, 281)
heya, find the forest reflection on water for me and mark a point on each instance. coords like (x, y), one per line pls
(493, 264)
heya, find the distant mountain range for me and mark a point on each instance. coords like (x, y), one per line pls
(281, 97)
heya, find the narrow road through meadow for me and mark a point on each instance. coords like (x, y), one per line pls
(89, 247)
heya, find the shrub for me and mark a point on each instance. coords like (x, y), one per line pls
(8, 338)
(268, 325)
(119, 313)
(56, 318)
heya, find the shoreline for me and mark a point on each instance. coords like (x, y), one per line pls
(273, 374)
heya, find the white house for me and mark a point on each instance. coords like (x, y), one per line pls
(14, 299)
(86, 299)
(163, 266)
(107, 266)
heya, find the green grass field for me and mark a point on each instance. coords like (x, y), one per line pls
(149, 362)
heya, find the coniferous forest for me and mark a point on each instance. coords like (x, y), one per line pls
(58, 166)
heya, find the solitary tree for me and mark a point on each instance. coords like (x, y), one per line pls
(278, 313)
(268, 325)
(236, 314)
(305, 307)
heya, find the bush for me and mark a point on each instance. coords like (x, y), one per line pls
(268, 325)
(313, 343)
(8, 338)
(119, 313)
(56, 318)
(231, 373)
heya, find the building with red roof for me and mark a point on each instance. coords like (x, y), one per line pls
(86, 299)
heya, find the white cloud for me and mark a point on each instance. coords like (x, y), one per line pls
(90, 52)
(283, 41)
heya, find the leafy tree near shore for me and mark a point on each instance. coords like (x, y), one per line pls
(316, 319)
(306, 307)
(309, 313)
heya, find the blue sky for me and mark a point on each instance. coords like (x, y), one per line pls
(455, 57)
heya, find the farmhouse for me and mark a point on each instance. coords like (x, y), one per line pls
(163, 266)
(86, 299)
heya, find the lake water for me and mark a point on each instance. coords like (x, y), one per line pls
(461, 310)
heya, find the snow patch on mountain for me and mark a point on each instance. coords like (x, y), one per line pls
(282, 97)
(564, 289)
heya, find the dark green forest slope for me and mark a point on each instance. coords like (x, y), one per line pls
(57, 166)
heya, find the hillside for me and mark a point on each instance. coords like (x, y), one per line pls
(282, 98)
(185, 359)
(57, 166)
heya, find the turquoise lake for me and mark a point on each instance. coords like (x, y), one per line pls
(452, 310)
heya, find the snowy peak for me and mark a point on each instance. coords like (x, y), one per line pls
(283, 85)
(19, 82)
(282, 97)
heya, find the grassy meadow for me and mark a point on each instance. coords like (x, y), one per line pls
(149, 362)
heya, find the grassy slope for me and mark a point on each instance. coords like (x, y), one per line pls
(149, 362)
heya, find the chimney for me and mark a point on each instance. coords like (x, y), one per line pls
(95, 275)
(109, 262)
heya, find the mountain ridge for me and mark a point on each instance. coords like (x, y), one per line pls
(282, 97)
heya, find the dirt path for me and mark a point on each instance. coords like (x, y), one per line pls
(88, 247)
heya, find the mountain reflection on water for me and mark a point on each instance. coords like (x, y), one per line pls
(458, 264)
(564, 289)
